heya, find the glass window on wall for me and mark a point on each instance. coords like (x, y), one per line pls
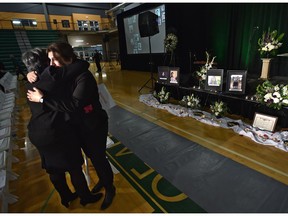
(94, 25)
(86, 25)
(83, 25)
(24, 22)
(65, 23)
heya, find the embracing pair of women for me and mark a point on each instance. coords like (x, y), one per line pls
(67, 118)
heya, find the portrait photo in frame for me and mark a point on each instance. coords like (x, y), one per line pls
(163, 74)
(174, 75)
(236, 81)
(214, 80)
(264, 122)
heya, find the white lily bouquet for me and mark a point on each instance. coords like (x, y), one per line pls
(269, 43)
(219, 108)
(162, 96)
(190, 101)
(202, 72)
(273, 96)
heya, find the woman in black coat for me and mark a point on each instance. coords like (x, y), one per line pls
(81, 100)
(54, 134)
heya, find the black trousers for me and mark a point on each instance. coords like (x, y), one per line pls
(78, 180)
(95, 149)
(98, 65)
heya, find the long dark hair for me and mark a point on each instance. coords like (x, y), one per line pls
(62, 51)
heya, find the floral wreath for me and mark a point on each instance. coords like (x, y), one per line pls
(170, 42)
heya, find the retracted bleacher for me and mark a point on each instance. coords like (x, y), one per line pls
(8, 93)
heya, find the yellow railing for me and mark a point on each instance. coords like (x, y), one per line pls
(7, 24)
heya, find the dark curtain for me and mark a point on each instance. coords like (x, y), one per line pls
(229, 31)
(236, 28)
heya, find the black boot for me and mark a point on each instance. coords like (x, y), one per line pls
(60, 184)
(109, 195)
(91, 199)
(79, 182)
(66, 202)
(97, 187)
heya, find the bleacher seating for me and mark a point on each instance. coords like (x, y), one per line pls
(9, 46)
(42, 38)
(7, 115)
(9, 82)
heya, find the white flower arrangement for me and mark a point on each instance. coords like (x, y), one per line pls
(170, 42)
(269, 43)
(273, 96)
(162, 96)
(218, 108)
(190, 101)
(202, 73)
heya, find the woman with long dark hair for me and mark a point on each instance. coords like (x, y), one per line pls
(80, 99)
(55, 135)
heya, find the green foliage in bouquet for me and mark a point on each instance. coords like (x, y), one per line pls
(202, 72)
(162, 96)
(218, 108)
(190, 101)
(269, 43)
(273, 96)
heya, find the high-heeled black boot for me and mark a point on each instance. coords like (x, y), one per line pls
(97, 187)
(60, 184)
(66, 202)
(91, 199)
(109, 195)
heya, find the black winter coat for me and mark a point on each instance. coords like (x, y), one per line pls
(53, 132)
(80, 99)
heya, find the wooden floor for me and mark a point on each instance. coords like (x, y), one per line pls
(36, 193)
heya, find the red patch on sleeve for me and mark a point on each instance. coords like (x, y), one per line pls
(88, 109)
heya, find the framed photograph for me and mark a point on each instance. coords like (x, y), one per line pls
(236, 81)
(163, 74)
(174, 75)
(265, 122)
(214, 80)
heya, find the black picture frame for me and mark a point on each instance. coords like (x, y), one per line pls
(163, 74)
(214, 80)
(174, 74)
(236, 81)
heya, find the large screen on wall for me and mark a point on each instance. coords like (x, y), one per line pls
(139, 45)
